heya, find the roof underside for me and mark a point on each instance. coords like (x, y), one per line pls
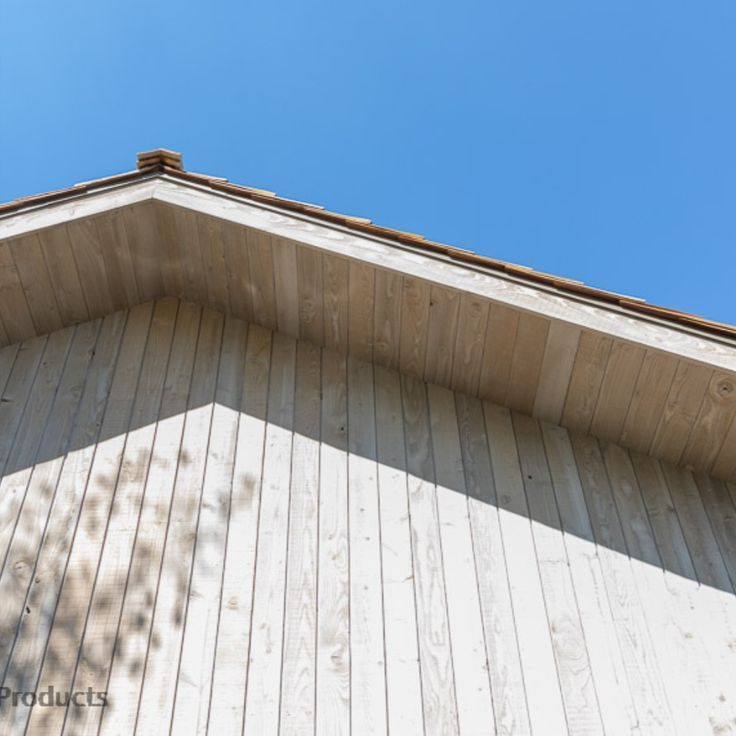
(657, 381)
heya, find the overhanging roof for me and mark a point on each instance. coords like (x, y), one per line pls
(654, 379)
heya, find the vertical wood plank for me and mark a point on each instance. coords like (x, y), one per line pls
(680, 411)
(367, 652)
(556, 371)
(403, 680)
(87, 251)
(650, 394)
(709, 668)
(121, 279)
(233, 634)
(287, 286)
(617, 388)
(14, 308)
(544, 698)
(387, 319)
(526, 364)
(468, 355)
(309, 274)
(333, 586)
(57, 253)
(435, 650)
(472, 684)
(260, 260)
(444, 309)
(502, 649)
(237, 270)
(213, 259)
(34, 278)
(263, 690)
(172, 275)
(361, 309)
(665, 610)
(585, 382)
(642, 668)
(601, 637)
(335, 277)
(498, 353)
(144, 241)
(298, 681)
(579, 694)
(415, 299)
(194, 283)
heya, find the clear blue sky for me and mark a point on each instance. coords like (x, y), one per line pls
(592, 140)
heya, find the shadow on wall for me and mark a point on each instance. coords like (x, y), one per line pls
(108, 439)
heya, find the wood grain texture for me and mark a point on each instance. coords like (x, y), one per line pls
(512, 344)
(224, 527)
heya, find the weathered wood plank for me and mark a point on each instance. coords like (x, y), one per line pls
(642, 668)
(333, 585)
(435, 650)
(468, 355)
(367, 647)
(263, 691)
(652, 387)
(233, 634)
(585, 382)
(34, 278)
(361, 297)
(606, 661)
(472, 684)
(298, 681)
(415, 299)
(579, 694)
(544, 699)
(387, 319)
(403, 681)
(556, 370)
(444, 311)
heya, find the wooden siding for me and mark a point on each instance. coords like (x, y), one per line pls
(650, 401)
(226, 528)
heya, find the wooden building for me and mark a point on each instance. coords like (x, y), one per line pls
(271, 468)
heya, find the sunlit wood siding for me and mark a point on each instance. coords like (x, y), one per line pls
(223, 527)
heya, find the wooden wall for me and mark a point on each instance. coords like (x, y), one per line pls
(648, 400)
(224, 527)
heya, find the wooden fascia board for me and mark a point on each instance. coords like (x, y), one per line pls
(87, 204)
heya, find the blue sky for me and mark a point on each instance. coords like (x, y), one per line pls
(592, 140)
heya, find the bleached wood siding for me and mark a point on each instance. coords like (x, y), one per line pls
(223, 527)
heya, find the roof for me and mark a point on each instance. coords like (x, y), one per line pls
(168, 162)
(654, 380)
